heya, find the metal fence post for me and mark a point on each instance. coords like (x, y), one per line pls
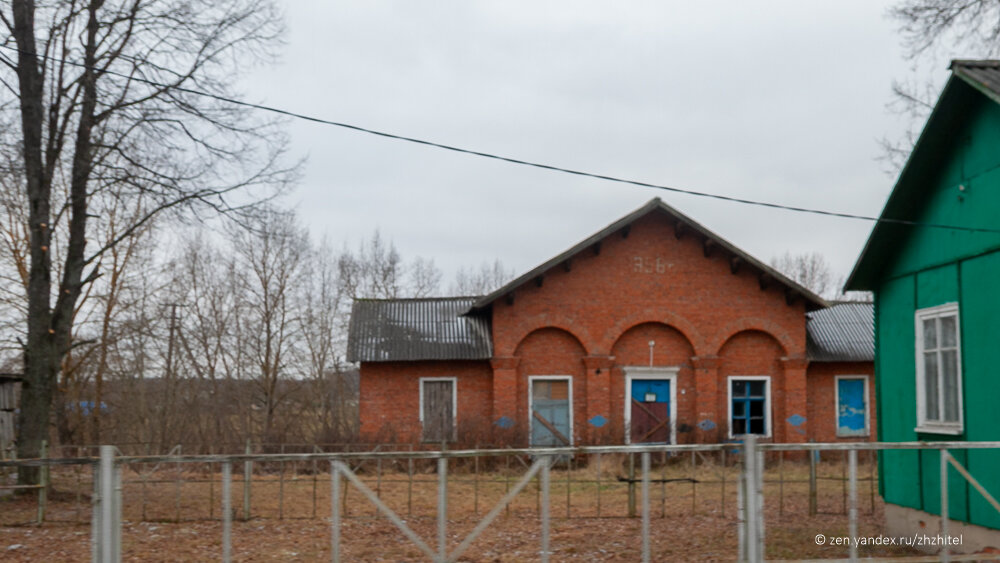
(812, 482)
(631, 485)
(43, 483)
(442, 508)
(95, 513)
(741, 527)
(945, 552)
(227, 511)
(106, 551)
(334, 512)
(116, 524)
(545, 508)
(645, 507)
(247, 477)
(852, 499)
(752, 500)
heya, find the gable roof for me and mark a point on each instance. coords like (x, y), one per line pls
(386, 330)
(655, 205)
(969, 79)
(845, 332)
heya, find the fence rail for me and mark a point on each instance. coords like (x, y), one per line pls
(741, 473)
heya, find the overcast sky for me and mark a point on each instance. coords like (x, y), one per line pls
(776, 101)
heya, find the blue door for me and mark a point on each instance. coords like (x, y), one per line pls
(649, 419)
(851, 411)
(550, 413)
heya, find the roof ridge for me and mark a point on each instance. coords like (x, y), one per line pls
(402, 299)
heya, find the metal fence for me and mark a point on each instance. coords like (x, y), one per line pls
(726, 470)
(584, 486)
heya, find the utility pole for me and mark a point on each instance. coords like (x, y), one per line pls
(168, 377)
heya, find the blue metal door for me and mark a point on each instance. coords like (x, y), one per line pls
(550, 413)
(649, 419)
(851, 411)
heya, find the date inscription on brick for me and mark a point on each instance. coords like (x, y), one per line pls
(646, 265)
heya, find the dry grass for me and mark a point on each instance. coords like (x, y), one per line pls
(690, 521)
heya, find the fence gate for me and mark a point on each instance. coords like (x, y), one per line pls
(338, 469)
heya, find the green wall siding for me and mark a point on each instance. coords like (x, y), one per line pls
(981, 371)
(897, 397)
(972, 161)
(933, 267)
(913, 478)
(958, 490)
(936, 287)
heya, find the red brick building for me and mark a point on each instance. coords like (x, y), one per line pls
(652, 330)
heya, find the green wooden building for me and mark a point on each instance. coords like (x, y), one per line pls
(937, 305)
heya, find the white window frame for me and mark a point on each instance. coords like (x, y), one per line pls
(454, 403)
(531, 408)
(938, 426)
(633, 373)
(836, 406)
(767, 400)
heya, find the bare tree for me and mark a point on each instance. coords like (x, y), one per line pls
(107, 97)
(377, 270)
(931, 31)
(206, 283)
(967, 24)
(425, 278)
(105, 300)
(489, 277)
(271, 260)
(809, 269)
(322, 302)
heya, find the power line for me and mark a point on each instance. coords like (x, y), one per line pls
(492, 156)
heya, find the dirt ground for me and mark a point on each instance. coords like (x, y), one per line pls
(589, 508)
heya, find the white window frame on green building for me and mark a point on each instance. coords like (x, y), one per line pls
(940, 351)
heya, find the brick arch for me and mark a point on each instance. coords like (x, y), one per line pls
(658, 315)
(552, 327)
(770, 328)
(549, 320)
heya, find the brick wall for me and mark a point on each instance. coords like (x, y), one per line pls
(653, 286)
(390, 399)
(822, 399)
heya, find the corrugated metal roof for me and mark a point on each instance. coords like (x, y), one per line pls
(388, 330)
(842, 333)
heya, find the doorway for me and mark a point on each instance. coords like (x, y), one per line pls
(650, 405)
(550, 402)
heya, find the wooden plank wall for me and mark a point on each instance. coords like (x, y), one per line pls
(8, 403)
